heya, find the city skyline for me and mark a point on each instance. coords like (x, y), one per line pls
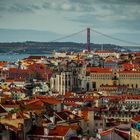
(32, 19)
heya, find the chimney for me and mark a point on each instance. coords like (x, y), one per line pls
(46, 131)
(14, 116)
(52, 119)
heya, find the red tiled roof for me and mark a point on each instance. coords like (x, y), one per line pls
(59, 130)
(68, 94)
(65, 115)
(16, 70)
(43, 99)
(5, 96)
(136, 53)
(19, 80)
(3, 63)
(104, 51)
(129, 66)
(74, 99)
(36, 57)
(51, 101)
(9, 80)
(123, 97)
(72, 104)
(99, 70)
(31, 101)
(137, 118)
(34, 104)
(17, 89)
(129, 72)
(11, 106)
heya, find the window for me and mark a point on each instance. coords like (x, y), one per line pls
(96, 124)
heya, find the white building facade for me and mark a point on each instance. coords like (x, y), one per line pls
(63, 82)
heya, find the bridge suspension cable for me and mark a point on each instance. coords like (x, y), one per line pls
(115, 38)
(68, 36)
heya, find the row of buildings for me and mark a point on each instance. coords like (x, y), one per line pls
(70, 96)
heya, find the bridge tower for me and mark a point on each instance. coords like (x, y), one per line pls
(88, 40)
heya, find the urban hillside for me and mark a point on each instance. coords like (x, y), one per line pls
(48, 47)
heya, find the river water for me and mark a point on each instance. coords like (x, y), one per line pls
(15, 57)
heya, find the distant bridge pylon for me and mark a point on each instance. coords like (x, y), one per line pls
(88, 39)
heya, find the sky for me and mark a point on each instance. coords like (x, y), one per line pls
(47, 20)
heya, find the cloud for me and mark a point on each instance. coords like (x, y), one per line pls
(66, 5)
(109, 20)
(103, 10)
(106, 1)
(88, 6)
(118, 14)
(107, 13)
(66, 16)
(16, 6)
(23, 8)
(122, 1)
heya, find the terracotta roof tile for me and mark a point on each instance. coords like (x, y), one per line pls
(16, 70)
(137, 119)
(99, 70)
(51, 101)
(104, 51)
(59, 130)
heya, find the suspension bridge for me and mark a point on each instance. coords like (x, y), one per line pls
(88, 36)
(88, 30)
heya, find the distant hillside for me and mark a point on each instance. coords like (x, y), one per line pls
(47, 47)
(21, 35)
